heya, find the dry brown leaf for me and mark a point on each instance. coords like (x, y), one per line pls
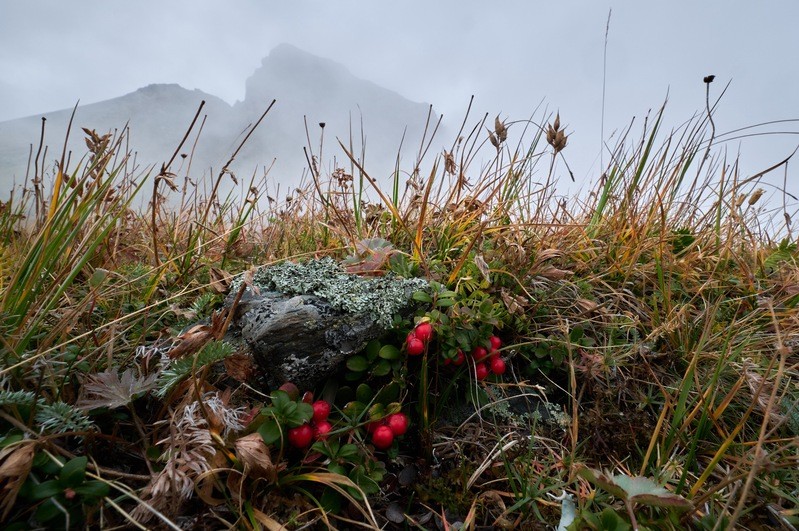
(553, 273)
(240, 366)
(220, 279)
(254, 454)
(514, 303)
(482, 266)
(547, 254)
(587, 305)
(248, 278)
(191, 341)
(17, 462)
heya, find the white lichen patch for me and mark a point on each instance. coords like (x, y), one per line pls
(380, 297)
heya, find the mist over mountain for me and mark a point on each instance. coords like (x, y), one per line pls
(307, 89)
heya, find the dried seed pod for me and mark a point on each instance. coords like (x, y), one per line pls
(449, 163)
(493, 139)
(500, 130)
(556, 137)
(756, 195)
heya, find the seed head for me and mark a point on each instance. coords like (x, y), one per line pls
(555, 135)
(756, 195)
(493, 139)
(500, 130)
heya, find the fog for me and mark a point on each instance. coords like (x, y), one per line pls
(514, 57)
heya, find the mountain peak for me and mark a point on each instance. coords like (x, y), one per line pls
(287, 62)
(308, 89)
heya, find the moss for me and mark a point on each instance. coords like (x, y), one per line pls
(383, 297)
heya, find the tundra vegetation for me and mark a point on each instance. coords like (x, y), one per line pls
(625, 358)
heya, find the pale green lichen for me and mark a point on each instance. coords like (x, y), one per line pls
(382, 297)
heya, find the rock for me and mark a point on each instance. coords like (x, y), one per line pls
(309, 318)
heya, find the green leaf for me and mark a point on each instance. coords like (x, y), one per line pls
(337, 468)
(269, 431)
(289, 410)
(636, 489)
(576, 334)
(389, 393)
(389, 352)
(377, 411)
(610, 520)
(280, 399)
(10, 439)
(357, 364)
(353, 409)
(364, 394)
(644, 490)
(93, 489)
(332, 501)
(373, 349)
(393, 407)
(347, 451)
(421, 296)
(98, 277)
(382, 368)
(305, 411)
(299, 413)
(445, 303)
(43, 462)
(74, 472)
(46, 489)
(47, 511)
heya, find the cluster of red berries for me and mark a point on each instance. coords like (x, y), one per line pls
(488, 361)
(418, 338)
(316, 430)
(384, 431)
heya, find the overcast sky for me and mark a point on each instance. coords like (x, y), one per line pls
(511, 55)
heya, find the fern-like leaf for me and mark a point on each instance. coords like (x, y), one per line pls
(180, 369)
(60, 417)
(112, 390)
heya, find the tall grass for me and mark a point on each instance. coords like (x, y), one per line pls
(665, 311)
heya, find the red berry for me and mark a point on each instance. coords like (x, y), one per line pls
(415, 346)
(496, 343)
(398, 423)
(300, 437)
(479, 353)
(497, 365)
(372, 426)
(424, 331)
(447, 361)
(321, 429)
(382, 437)
(321, 410)
(307, 397)
(481, 371)
(459, 358)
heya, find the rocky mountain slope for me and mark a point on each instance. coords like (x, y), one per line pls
(307, 89)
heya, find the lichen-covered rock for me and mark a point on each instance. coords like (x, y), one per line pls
(310, 317)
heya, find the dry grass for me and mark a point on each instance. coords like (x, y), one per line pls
(656, 314)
